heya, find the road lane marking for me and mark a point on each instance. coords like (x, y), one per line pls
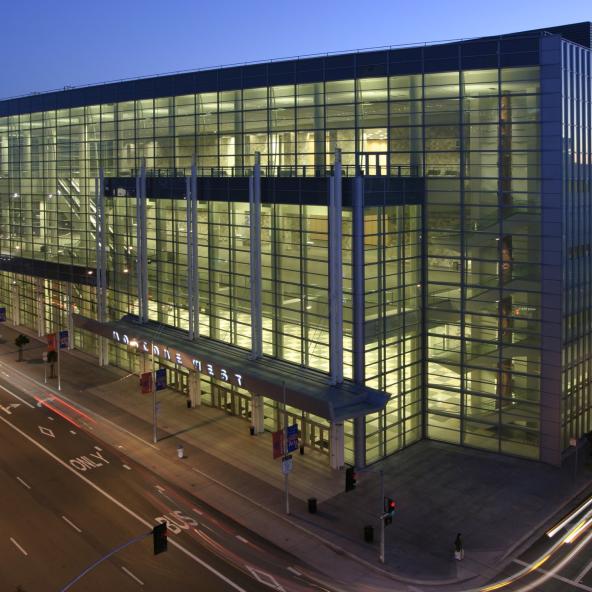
(131, 575)
(17, 397)
(198, 512)
(555, 576)
(71, 524)
(46, 432)
(8, 408)
(126, 467)
(23, 482)
(73, 432)
(242, 539)
(581, 575)
(50, 418)
(19, 547)
(294, 571)
(122, 506)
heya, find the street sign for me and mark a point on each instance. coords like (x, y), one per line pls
(52, 344)
(287, 464)
(161, 379)
(2, 314)
(292, 437)
(64, 339)
(277, 440)
(146, 382)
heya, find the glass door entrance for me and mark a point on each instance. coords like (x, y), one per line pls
(373, 163)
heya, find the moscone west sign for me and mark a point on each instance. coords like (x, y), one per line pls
(180, 358)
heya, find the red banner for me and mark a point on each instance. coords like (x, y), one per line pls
(52, 342)
(277, 439)
(146, 382)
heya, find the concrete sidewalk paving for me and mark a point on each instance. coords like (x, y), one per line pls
(496, 502)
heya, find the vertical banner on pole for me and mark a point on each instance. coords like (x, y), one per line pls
(64, 340)
(52, 344)
(160, 376)
(146, 383)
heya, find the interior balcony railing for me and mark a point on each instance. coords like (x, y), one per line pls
(282, 171)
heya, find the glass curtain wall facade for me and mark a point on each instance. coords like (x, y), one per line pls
(452, 284)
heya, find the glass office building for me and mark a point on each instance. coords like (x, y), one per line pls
(382, 246)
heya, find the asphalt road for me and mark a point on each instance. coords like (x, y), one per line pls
(67, 499)
(550, 565)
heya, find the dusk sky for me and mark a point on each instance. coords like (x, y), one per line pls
(48, 45)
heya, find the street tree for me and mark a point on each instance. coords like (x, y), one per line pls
(20, 342)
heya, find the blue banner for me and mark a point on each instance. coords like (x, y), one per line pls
(64, 339)
(160, 379)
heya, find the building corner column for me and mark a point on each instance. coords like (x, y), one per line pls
(194, 389)
(255, 259)
(257, 415)
(336, 445)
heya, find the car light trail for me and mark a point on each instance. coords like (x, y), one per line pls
(52, 408)
(569, 518)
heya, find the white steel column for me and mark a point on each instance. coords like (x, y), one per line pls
(336, 445)
(255, 258)
(40, 289)
(194, 249)
(15, 301)
(190, 262)
(144, 241)
(101, 264)
(257, 415)
(335, 274)
(70, 319)
(194, 387)
(142, 245)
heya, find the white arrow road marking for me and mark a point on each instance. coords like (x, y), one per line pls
(46, 431)
(18, 547)
(71, 524)
(23, 482)
(122, 506)
(131, 575)
(265, 578)
(17, 397)
(8, 408)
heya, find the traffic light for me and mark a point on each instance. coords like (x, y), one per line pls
(389, 510)
(350, 479)
(159, 536)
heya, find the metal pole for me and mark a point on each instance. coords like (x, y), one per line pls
(153, 373)
(59, 363)
(285, 422)
(45, 371)
(576, 465)
(381, 557)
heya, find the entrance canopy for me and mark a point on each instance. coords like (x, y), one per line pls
(303, 388)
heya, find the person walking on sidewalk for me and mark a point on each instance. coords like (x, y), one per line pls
(459, 552)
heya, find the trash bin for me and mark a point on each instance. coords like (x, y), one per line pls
(180, 451)
(368, 533)
(312, 505)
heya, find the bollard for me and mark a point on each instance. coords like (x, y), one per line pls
(312, 505)
(302, 449)
(369, 533)
(188, 403)
(180, 451)
(252, 430)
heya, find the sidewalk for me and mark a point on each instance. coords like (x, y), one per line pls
(496, 502)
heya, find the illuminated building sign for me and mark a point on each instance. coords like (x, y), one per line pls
(167, 353)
